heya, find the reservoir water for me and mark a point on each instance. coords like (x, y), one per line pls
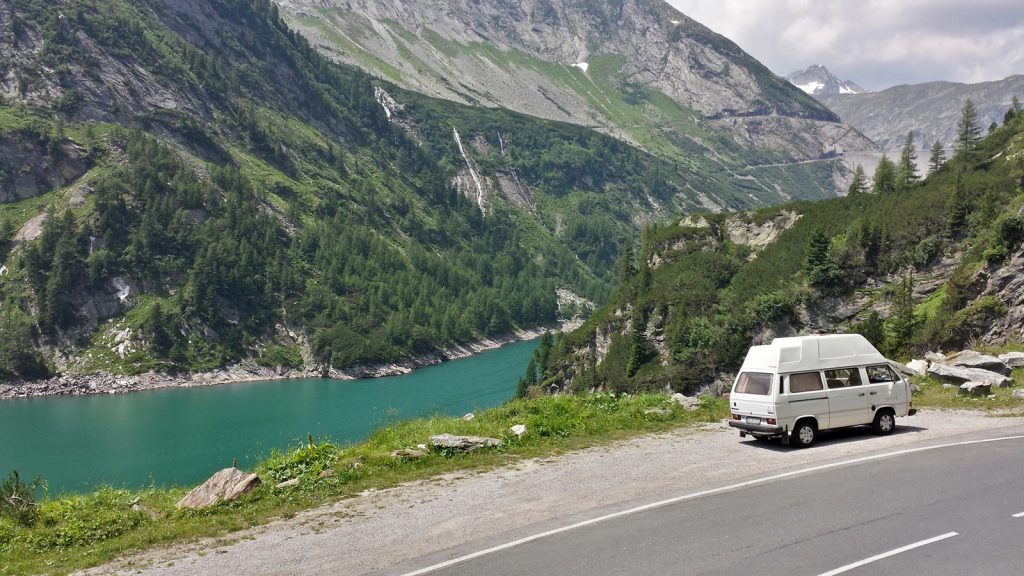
(180, 436)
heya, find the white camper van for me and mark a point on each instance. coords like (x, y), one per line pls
(794, 388)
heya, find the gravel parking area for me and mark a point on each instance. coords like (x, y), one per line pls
(455, 514)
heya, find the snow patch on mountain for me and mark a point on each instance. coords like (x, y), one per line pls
(817, 80)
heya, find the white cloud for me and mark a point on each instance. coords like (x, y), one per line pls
(876, 43)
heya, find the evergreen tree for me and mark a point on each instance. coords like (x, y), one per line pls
(818, 265)
(1013, 113)
(968, 133)
(956, 211)
(902, 320)
(938, 156)
(859, 184)
(872, 328)
(885, 176)
(906, 172)
(627, 268)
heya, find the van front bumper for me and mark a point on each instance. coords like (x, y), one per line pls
(760, 429)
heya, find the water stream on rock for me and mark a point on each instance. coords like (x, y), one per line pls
(180, 436)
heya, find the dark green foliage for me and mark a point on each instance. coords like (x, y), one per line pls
(902, 321)
(18, 498)
(885, 176)
(819, 266)
(872, 328)
(968, 133)
(859, 183)
(936, 158)
(906, 170)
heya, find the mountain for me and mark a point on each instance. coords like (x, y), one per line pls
(934, 266)
(931, 110)
(816, 80)
(190, 184)
(635, 69)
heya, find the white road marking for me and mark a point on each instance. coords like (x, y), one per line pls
(1019, 515)
(694, 496)
(849, 567)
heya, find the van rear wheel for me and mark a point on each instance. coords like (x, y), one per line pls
(885, 423)
(804, 434)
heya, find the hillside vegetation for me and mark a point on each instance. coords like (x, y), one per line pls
(189, 184)
(924, 266)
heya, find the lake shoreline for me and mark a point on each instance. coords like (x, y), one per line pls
(248, 371)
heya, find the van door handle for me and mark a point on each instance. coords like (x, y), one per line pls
(861, 394)
(873, 393)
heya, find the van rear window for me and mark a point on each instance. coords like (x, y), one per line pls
(754, 383)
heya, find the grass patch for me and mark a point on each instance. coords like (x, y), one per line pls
(931, 393)
(78, 531)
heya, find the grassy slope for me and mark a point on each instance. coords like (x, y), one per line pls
(76, 531)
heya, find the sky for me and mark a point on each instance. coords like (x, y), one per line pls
(875, 43)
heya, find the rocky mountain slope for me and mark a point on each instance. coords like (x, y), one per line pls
(933, 266)
(637, 69)
(816, 80)
(931, 110)
(189, 184)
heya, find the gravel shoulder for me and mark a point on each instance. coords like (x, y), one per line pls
(453, 514)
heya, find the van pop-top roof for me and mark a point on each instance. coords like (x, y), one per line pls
(803, 353)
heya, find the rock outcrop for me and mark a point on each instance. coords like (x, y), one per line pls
(462, 443)
(224, 486)
(972, 359)
(958, 375)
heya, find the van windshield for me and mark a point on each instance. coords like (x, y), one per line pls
(754, 383)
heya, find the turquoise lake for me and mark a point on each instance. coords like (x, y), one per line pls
(180, 436)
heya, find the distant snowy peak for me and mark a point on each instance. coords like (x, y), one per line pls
(817, 80)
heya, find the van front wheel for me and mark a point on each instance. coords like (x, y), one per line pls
(884, 423)
(804, 434)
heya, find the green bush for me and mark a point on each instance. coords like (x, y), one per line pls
(18, 498)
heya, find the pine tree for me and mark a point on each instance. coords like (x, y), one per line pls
(968, 133)
(906, 173)
(1014, 111)
(859, 184)
(885, 176)
(902, 320)
(956, 211)
(818, 265)
(626, 266)
(937, 158)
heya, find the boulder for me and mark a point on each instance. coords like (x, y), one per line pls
(1013, 359)
(959, 375)
(288, 484)
(1018, 393)
(919, 367)
(935, 356)
(972, 359)
(408, 453)
(518, 430)
(688, 402)
(462, 443)
(469, 416)
(227, 484)
(975, 389)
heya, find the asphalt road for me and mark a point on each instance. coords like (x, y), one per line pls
(943, 511)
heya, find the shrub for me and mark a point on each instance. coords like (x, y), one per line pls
(18, 498)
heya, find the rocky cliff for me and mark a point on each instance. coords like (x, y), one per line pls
(931, 110)
(637, 69)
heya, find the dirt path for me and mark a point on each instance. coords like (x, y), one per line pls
(383, 529)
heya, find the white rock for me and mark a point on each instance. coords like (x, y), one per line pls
(287, 483)
(518, 430)
(919, 367)
(688, 402)
(1018, 393)
(972, 359)
(1013, 359)
(959, 375)
(469, 416)
(976, 388)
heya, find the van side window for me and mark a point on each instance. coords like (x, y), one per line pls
(754, 383)
(805, 382)
(842, 378)
(880, 374)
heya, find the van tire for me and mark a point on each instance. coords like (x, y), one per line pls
(885, 422)
(805, 432)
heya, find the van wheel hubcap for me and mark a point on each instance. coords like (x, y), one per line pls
(806, 434)
(885, 423)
